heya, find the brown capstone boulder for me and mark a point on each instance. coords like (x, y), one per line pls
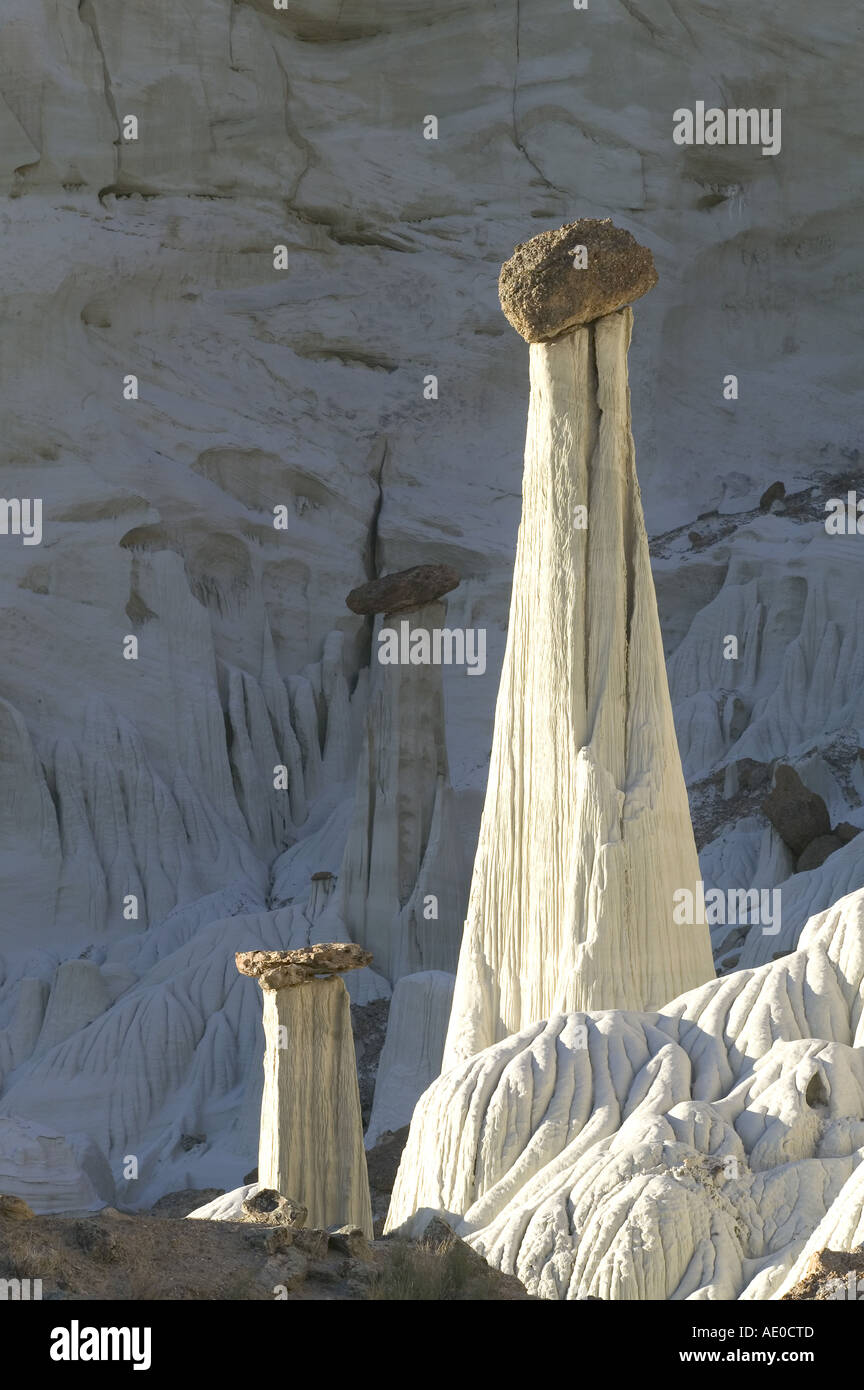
(285, 969)
(403, 590)
(544, 294)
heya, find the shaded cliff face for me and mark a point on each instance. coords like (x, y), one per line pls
(303, 388)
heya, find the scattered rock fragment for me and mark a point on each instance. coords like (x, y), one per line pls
(15, 1209)
(284, 1271)
(270, 1208)
(349, 1240)
(313, 1242)
(99, 1243)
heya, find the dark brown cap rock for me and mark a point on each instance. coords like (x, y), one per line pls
(406, 589)
(544, 295)
(284, 969)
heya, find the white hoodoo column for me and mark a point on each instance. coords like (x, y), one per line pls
(311, 1140)
(586, 830)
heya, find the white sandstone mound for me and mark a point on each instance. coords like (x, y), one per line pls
(52, 1172)
(311, 1140)
(688, 1153)
(586, 829)
(411, 1056)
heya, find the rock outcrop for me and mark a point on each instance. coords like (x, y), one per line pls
(586, 832)
(831, 1274)
(311, 1142)
(700, 1151)
(841, 1230)
(798, 815)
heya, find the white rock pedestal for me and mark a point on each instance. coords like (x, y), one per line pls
(311, 1139)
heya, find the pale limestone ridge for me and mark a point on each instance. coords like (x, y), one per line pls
(586, 829)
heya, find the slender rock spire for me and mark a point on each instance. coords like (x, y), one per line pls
(586, 829)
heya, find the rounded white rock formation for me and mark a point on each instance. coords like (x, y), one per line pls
(687, 1153)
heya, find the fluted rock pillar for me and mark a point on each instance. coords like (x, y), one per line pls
(311, 1139)
(586, 830)
(403, 842)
